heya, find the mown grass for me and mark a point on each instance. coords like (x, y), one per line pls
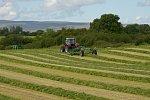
(139, 51)
(106, 64)
(128, 55)
(76, 65)
(5, 97)
(83, 71)
(101, 85)
(50, 90)
(86, 65)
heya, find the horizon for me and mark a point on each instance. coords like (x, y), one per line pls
(68, 22)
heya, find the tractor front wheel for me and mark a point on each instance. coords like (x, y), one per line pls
(62, 49)
(66, 49)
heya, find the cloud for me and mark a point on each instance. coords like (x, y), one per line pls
(138, 18)
(7, 11)
(64, 8)
(45, 10)
(144, 3)
(142, 19)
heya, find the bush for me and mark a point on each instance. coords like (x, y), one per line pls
(147, 39)
(102, 44)
(34, 45)
(27, 40)
(12, 39)
(139, 42)
(2, 47)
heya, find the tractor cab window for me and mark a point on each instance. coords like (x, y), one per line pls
(70, 41)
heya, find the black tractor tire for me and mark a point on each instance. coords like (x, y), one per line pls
(66, 49)
(62, 49)
(81, 53)
(94, 52)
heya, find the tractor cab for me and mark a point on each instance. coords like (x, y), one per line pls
(70, 43)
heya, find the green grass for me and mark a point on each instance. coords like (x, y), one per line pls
(5, 97)
(82, 71)
(53, 59)
(50, 90)
(100, 85)
(1, 37)
(79, 62)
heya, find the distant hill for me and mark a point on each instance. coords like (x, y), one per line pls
(43, 25)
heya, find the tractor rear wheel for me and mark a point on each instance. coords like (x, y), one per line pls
(94, 52)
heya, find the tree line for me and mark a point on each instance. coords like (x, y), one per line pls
(105, 31)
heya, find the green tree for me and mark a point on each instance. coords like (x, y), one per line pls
(12, 39)
(16, 30)
(107, 22)
(131, 29)
(4, 31)
(144, 28)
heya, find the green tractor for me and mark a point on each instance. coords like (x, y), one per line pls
(74, 48)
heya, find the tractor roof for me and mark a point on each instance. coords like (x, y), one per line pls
(70, 38)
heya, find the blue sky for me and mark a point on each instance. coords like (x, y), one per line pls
(129, 11)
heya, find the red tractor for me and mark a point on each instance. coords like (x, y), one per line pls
(70, 43)
(74, 49)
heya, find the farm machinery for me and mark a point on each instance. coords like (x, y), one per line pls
(74, 48)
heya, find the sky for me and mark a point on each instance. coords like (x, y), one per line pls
(129, 11)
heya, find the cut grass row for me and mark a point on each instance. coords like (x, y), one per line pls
(130, 66)
(5, 97)
(89, 65)
(26, 94)
(106, 61)
(77, 58)
(83, 71)
(114, 56)
(72, 87)
(103, 64)
(119, 60)
(122, 61)
(78, 76)
(40, 59)
(125, 89)
(65, 56)
(128, 54)
(132, 53)
(137, 50)
(50, 90)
